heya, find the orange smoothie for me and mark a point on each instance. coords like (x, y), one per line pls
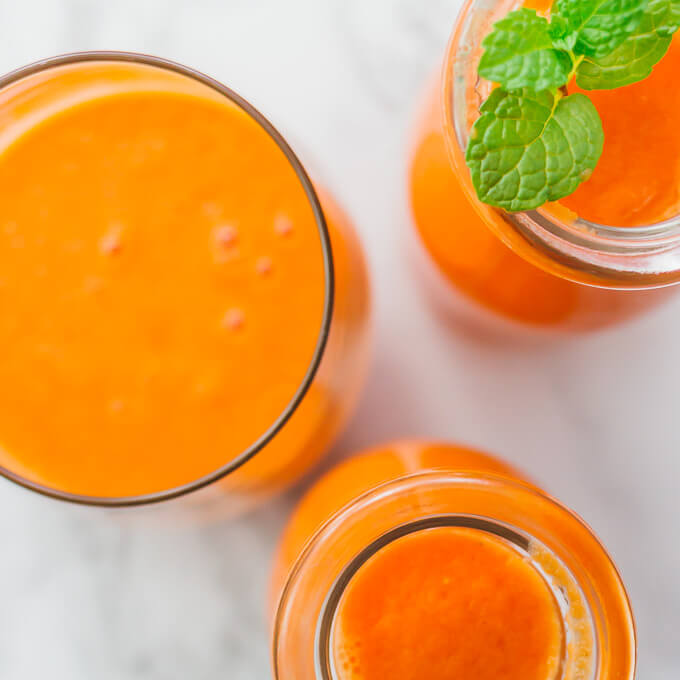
(163, 285)
(636, 182)
(453, 601)
(429, 559)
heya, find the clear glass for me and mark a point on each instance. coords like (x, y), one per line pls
(323, 401)
(541, 267)
(412, 486)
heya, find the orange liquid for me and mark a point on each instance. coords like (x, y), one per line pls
(161, 291)
(637, 180)
(456, 602)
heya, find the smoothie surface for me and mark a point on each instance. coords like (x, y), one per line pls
(447, 603)
(162, 290)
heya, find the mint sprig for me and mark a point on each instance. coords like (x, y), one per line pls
(532, 142)
(531, 147)
(599, 26)
(519, 52)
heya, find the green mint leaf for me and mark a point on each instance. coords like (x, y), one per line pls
(635, 58)
(600, 25)
(530, 147)
(668, 16)
(562, 36)
(519, 53)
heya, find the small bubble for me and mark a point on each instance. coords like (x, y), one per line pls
(263, 266)
(283, 226)
(225, 235)
(10, 228)
(18, 242)
(233, 319)
(110, 243)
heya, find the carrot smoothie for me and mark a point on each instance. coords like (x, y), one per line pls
(531, 268)
(164, 287)
(487, 612)
(428, 558)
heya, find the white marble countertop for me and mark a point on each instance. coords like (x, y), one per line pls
(84, 594)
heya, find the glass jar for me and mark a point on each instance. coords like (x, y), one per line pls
(297, 437)
(368, 502)
(543, 268)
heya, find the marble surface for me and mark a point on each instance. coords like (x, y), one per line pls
(89, 594)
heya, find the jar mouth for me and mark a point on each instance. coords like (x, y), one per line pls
(461, 84)
(517, 540)
(236, 461)
(518, 513)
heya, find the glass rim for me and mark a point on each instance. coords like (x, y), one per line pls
(327, 255)
(581, 232)
(409, 482)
